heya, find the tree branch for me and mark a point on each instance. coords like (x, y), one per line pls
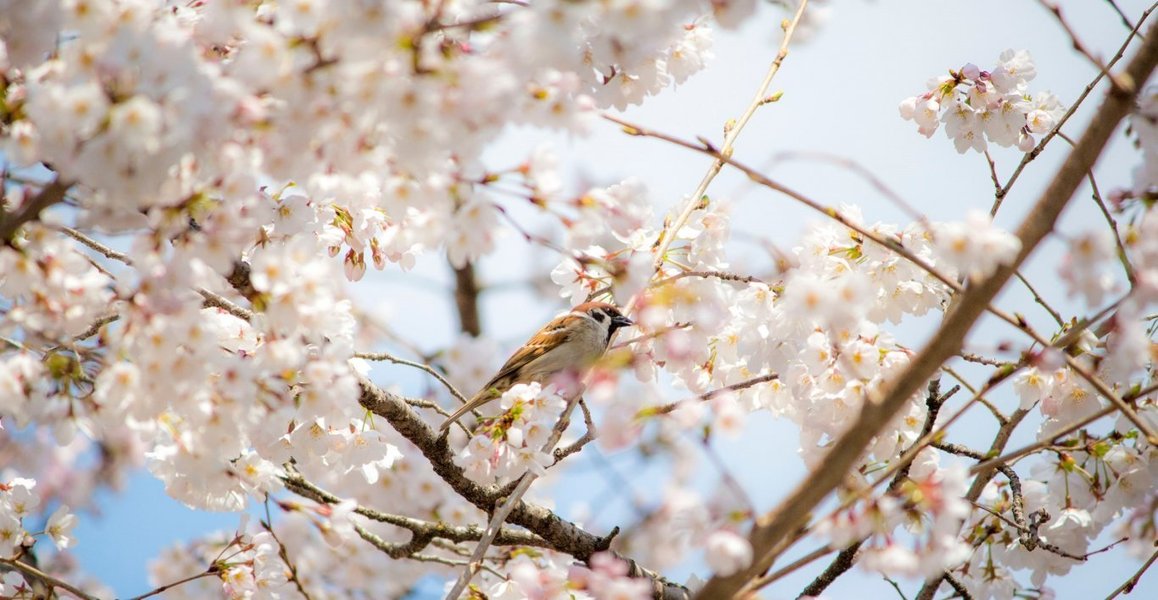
(664, 409)
(560, 534)
(424, 529)
(50, 194)
(731, 132)
(844, 561)
(1129, 584)
(466, 293)
(31, 571)
(417, 365)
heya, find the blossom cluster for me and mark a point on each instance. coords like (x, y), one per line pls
(928, 506)
(1074, 498)
(380, 110)
(609, 236)
(56, 289)
(514, 442)
(686, 523)
(819, 331)
(980, 107)
(548, 578)
(1086, 268)
(20, 504)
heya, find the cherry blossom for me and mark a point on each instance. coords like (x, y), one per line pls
(979, 106)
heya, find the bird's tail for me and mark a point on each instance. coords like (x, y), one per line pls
(488, 393)
(456, 415)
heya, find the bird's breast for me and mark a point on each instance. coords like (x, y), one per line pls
(583, 348)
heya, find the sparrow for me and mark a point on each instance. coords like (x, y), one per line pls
(574, 340)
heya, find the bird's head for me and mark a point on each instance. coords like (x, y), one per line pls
(604, 314)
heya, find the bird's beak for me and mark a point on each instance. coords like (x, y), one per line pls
(621, 321)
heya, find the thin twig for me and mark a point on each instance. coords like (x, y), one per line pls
(1037, 298)
(1121, 15)
(652, 335)
(267, 524)
(896, 586)
(761, 98)
(664, 409)
(1119, 402)
(212, 571)
(1076, 41)
(379, 356)
(960, 379)
(729, 479)
(984, 360)
(588, 436)
(839, 566)
(1129, 584)
(431, 405)
(721, 275)
(857, 169)
(1060, 433)
(211, 298)
(95, 245)
(218, 301)
(793, 566)
(1027, 527)
(424, 529)
(450, 562)
(95, 327)
(993, 172)
(1123, 258)
(1096, 194)
(958, 587)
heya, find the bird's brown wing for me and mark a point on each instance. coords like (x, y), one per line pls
(549, 337)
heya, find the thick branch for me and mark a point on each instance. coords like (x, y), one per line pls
(562, 535)
(466, 292)
(52, 193)
(839, 565)
(844, 561)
